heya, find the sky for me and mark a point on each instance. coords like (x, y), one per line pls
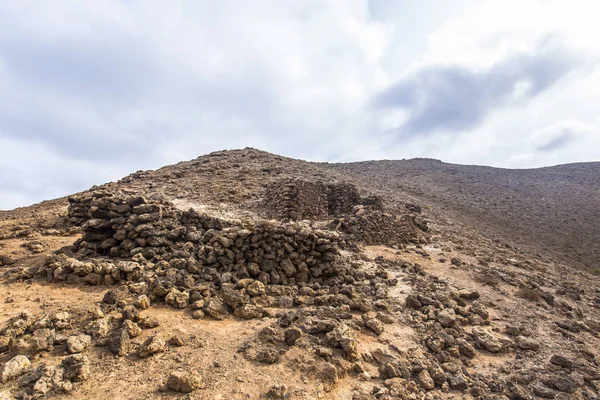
(92, 91)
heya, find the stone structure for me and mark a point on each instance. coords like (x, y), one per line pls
(296, 199)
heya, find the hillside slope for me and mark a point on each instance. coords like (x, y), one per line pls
(247, 275)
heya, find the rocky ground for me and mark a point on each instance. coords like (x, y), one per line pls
(171, 284)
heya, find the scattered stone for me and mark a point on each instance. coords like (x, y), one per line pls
(78, 343)
(152, 345)
(177, 339)
(426, 380)
(292, 335)
(76, 367)
(119, 342)
(14, 368)
(375, 325)
(149, 322)
(184, 382)
(487, 341)
(526, 343)
(132, 329)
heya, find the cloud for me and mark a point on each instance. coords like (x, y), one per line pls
(558, 136)
(94, 90)
(455, 98)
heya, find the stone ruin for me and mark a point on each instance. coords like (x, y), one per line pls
(186, 259)
(297, 199)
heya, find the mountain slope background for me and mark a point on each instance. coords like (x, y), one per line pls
(552, 211)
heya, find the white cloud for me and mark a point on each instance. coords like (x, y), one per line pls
(95, 90)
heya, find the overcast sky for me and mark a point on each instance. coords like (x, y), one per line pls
(94, 90)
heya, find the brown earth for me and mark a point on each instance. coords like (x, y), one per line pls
(524, 240)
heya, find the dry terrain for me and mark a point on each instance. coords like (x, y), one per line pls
(246, 275)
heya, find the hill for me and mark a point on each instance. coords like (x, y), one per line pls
(244, 274)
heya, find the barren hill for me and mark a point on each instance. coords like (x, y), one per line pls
(243, 274)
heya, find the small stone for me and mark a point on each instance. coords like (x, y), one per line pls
(14, 367)
(539, 389)
(131, 313)
(184, 382)
(447, 317)
(512, 330)
(177, 299)
(256, 288)
(248, 311)
(5, 396)
(375, 325)
(133, 330)
(78, 343)
(198, 304)
(100, 328)
(292, 335)
(198, 314)
(385, 317)
(61, 320)
(119, 342)
(526, 343)
(457, 383)
(426, 380)
(152, 345)
(177, 339)
(468, 294)
(142, 302)
(77, 367)
(4, 343)
(561, 361)
(216, 308)
(412, 301)
(149, 322)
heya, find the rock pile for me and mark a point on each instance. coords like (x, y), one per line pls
(187, 259)
(26, 337)
(134, 227)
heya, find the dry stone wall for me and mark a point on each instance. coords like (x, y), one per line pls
(375, 227)
(296, 199)
(133, 227)
(341, 198)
